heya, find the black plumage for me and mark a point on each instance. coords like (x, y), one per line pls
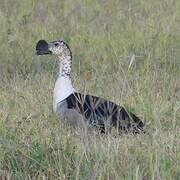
(104, 114)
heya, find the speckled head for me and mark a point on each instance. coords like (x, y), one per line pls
(58, 48)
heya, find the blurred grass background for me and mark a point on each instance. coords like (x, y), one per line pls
(105, 36)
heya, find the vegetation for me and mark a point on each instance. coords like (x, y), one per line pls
(123, 50)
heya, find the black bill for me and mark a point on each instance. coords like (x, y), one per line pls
(42, 48)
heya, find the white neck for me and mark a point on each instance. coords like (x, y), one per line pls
(63, 86)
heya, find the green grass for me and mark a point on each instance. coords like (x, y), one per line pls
(104, 36)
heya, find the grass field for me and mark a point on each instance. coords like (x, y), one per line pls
(105, 37)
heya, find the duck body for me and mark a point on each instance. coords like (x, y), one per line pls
(97, 112)
(84, 110)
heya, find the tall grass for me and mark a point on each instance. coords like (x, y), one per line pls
(104, 37)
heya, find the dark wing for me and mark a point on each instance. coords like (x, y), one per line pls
(100, 112)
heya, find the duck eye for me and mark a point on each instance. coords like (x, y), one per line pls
(56, 44)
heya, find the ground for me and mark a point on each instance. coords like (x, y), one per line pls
(126, 51)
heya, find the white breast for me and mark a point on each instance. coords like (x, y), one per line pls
(63, 88)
